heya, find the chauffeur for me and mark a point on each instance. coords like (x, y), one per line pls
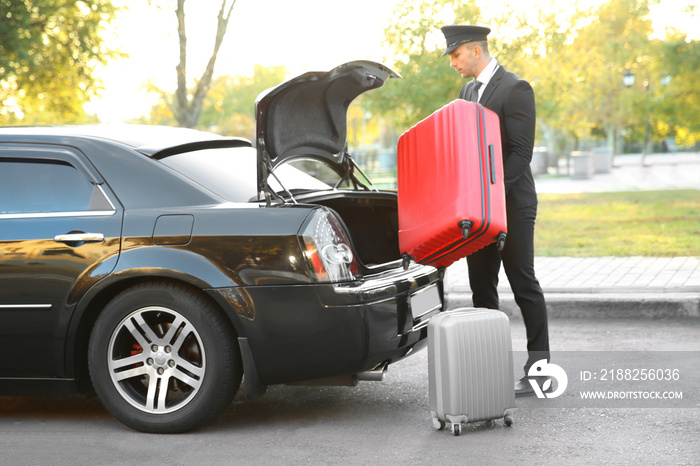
(513, 100)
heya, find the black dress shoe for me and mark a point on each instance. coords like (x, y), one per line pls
(524, 388)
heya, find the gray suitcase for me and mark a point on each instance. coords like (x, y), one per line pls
(470, 368)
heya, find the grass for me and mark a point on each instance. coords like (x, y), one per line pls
(643, 223)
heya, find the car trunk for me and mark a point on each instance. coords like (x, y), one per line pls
(305, 119)
(371, 219)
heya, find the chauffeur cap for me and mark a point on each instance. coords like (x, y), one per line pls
(457, 35)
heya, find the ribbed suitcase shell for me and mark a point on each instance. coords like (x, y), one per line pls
(450, 169)
(470, 367)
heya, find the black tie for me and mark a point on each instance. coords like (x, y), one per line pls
(475, 91)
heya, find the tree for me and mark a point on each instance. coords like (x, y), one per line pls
(48, 51)
(188, 106)
(428, 82)
(616, 39)
(673, 86)
(230, 103)
(574, 61)
(549, 44)
(228, 106)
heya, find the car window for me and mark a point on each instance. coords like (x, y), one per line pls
(232, 173)
(46, 186)
(316, 168)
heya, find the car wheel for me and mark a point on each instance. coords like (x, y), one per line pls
(164, 359)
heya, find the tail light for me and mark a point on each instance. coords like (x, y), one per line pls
(327, 249)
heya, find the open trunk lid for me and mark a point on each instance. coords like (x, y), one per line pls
(306, 117)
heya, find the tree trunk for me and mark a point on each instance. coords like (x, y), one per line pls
(187, 108)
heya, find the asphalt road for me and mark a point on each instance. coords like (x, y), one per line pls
(389, 422)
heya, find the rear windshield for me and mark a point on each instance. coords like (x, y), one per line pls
(232, 173)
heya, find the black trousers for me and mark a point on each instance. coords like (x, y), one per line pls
(518, 257)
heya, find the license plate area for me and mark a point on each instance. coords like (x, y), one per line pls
(424, 304)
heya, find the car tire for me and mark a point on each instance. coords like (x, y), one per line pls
(164, 359)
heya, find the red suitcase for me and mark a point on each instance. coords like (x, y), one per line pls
(450, 185)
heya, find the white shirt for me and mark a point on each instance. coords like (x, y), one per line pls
(486, 75)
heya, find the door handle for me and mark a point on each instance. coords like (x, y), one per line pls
(80, 238)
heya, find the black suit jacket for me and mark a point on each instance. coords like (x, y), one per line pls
(513, 100)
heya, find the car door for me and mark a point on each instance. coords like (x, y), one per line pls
(60, 230)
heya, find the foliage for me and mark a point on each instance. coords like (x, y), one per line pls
(48, 50)
(676, 104)
(644, 223)
(229, 106)
(427, 82)
(574, 61)
(161, 113)
(554, 111)
(615, 40)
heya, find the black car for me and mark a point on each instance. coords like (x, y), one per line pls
(156, 266)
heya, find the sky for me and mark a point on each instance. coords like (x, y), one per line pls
(302, 35)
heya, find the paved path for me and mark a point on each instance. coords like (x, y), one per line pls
(660, 172)
(610, 286)
(606, 274)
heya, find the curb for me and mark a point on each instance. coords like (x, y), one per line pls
(599, 305)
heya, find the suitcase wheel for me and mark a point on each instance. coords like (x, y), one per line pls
(501, 240)
(465, 225)
(456, 429)
(439, 424)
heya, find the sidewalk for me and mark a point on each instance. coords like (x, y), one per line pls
(609, 287)
(679, 170)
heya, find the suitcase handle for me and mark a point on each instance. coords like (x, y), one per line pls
(492, 163)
